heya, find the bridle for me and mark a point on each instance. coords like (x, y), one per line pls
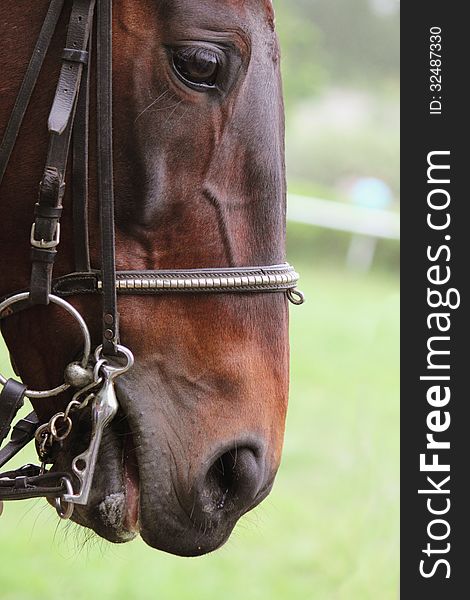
(93, 377)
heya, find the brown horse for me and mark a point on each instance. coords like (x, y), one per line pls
(200, 181)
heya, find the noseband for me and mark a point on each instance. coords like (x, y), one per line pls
(93, 377)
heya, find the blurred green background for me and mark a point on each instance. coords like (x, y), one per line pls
(329, 530)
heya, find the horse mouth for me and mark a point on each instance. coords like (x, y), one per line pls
(113, 508)
(136, 490)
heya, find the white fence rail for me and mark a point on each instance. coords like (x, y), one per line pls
(344, 217)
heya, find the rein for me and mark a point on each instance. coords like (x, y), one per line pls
(91, 379)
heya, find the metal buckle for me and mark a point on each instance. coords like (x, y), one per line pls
(42, 244)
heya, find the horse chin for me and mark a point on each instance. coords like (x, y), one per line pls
(180, 533)
(186, 542)
(108, 519)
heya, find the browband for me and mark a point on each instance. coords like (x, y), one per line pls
(277, 278)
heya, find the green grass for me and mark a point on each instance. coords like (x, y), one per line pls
(328, 531)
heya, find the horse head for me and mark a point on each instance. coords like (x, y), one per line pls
(199, 182)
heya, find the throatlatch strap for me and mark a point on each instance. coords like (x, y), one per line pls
(29, 83)
(105, 176)
(11, 400)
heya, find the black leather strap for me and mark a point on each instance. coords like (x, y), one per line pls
(80, 172)
(73, 55)
(11, 400)
(47, 212)
(80, 24)
(24, 471)
(22, 433)
(29, 83)
(45, 234)
(27, 483)
(110, 322)
(76, 284)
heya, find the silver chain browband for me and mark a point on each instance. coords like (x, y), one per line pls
(275, 278)
(200, 280)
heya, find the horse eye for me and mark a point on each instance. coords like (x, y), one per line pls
(198, 66)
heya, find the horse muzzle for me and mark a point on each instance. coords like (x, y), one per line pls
(141, 486)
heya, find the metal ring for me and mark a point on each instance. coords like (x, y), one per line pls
(84, 392)
(96, 369)
(65, 509)
(86, 339)
(296, 296)
(73, 405)
(38, 436)
(53, 427)
(121, 350)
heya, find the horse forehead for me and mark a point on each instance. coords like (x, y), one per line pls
(136, 16)
(243, 4)
(239, 8)
(267, 5)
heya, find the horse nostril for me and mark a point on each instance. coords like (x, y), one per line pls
(232, 481)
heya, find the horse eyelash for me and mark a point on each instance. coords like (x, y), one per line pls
(191, 52)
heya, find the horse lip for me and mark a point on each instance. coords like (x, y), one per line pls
(131, 479)
(261, 495)
(130, 468)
